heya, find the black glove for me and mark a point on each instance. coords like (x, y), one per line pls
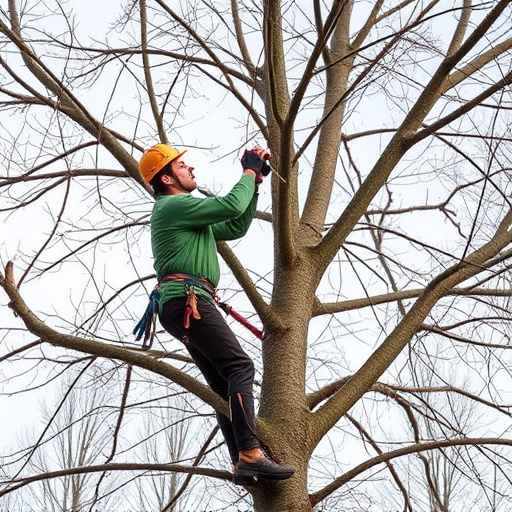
(251, 160)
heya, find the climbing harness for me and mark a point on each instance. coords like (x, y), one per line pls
(191, 283)
(147, 324)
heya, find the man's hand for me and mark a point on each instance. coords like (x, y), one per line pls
(250, 160)
(265, 156)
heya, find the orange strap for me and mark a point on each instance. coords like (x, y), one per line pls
(191, 308)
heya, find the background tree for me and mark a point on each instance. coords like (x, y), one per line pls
(83, 426)
(383, 245)
(76, 435)
(169, 440)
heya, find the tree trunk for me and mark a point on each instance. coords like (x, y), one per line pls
(287, 496)
(284, 415)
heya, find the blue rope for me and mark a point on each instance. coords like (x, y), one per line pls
(147, 324)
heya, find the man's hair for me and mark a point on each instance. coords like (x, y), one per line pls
(156, 183)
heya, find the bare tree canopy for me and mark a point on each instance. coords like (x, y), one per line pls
(378, 267)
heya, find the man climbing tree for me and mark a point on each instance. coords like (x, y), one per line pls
(184, 232)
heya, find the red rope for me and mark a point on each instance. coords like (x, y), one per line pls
(239, 318)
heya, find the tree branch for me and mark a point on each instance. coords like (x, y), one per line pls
(99, 349)
(318, 496)
(410, 324)
(400, 143)
(19, 483)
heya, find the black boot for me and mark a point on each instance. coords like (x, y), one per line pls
(242, 418)
(263, 468)
(245, 481)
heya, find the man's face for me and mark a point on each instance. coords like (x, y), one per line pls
(185, 175)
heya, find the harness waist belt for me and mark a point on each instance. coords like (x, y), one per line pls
(191, 282)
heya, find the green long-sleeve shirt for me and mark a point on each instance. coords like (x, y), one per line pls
(185, 229)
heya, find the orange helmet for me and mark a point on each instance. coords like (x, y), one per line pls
(155, 158)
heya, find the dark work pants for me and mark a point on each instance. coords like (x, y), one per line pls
(228, 370)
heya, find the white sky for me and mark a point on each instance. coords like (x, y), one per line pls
(219, 175)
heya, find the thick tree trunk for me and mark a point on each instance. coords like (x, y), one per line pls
(287, 496)
(284, 415)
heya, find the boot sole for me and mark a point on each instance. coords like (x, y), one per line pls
(264, 475)
(244, 480)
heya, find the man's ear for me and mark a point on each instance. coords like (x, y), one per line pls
(166, 179)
